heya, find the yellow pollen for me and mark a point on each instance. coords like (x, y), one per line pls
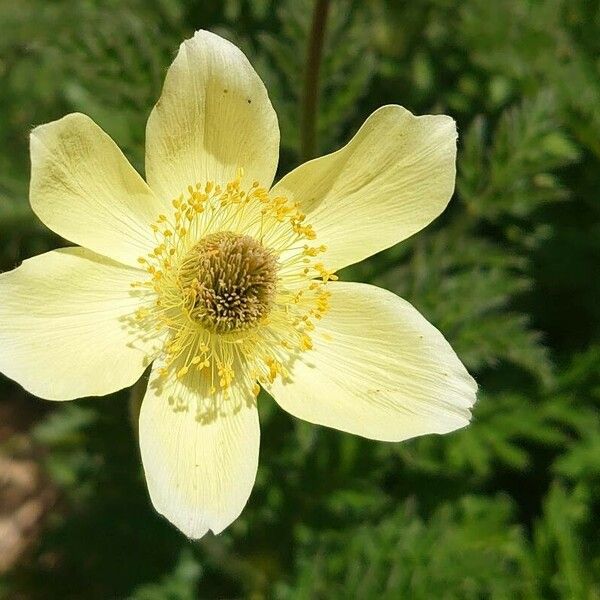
(235, 286)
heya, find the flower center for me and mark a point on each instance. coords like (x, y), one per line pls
(234, 288)
(228, 281)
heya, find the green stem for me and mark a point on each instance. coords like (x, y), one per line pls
(310, 97)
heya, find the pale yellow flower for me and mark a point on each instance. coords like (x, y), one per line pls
(224, 282)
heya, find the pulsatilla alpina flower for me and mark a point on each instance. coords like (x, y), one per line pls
(225, 283)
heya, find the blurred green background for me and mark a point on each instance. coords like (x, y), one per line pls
(507, 508)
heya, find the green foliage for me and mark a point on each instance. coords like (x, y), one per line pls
(506, 508)
(181, 584)
(468, 549)
(64, 432)
(510, 176)
(560, 557)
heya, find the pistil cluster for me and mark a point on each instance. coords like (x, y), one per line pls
(229, 281)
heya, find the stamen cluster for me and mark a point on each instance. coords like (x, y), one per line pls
(235, 286)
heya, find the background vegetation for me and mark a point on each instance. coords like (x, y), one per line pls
(507, 508)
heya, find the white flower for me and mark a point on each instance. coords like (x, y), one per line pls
(226, 282)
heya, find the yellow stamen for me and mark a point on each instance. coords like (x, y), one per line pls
(232, 285)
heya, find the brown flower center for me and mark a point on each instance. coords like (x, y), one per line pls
(228, 281)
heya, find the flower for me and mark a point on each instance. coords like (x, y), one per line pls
(224, 282)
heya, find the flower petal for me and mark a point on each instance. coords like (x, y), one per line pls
(214, 116)
(200, 457)
(84, 189)
(392, 179)
(377, 369)
(63, 325)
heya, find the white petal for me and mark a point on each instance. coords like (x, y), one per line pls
(84, 189)
(64, 332)
(214, 116)
(378, 369)
(392, 179)
(200, 457)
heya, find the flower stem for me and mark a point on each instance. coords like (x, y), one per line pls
(310, 97)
